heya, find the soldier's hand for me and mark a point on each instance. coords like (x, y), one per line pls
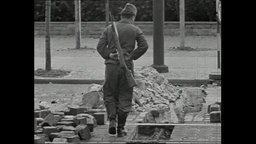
(113, 55)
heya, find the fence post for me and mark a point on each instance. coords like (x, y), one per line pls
(182, 23)
(78, 23)
(158, 36)
(47, 35)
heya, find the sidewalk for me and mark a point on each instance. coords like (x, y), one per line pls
(93, 67)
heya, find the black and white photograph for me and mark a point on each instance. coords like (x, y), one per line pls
(127, 71)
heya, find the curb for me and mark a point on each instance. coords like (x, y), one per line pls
(178, 82)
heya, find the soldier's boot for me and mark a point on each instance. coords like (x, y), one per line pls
(121, 132)
(112, 127)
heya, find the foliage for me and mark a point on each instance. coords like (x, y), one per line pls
(94, 10)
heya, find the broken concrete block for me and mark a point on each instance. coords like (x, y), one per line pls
(83, 132)
(101, 118)
(39, 139)
(49, 129)
(215, 117)
(80, 120)
(60, 140)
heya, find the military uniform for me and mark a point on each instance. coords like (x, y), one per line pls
(117, 93)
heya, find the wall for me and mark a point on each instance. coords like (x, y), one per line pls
(94, 29)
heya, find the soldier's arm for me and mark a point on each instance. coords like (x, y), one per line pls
(102, 45)
(142, 46)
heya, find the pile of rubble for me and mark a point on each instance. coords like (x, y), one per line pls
(72, 125)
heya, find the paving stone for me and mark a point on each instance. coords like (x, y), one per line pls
(49, 129)
(67, 132)
(60, 140)
(101, 118)
(39, 139)
(68, 128)
(44, 113)
(80, 120)
(58, 113)
(213, 107)
(69, 117)
(215, 117)
(39, 131)
(66, 123)
(62, 134)
(73, 139)
(36, 113)
(46, 137)
(74, 110)
(67, 120)
(51, 119)
(83, 132)
(39, 120)
(53, 135)
(35, 124)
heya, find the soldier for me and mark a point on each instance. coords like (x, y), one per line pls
(117, 93)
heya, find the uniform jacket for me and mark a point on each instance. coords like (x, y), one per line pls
(129, 34)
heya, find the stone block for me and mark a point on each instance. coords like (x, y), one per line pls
(83, 132)
(44, 136)
(58, 113)
(35, 124)
(51, 119)
(37, 113)
(49, 129)
(68, 132)
(53, 135)
(68, 117)
(39, 139)
(39, 120)
(68, 128)
(80, 120)
(74, 110)
(73, 139)
(215, 117)
(60, 140)
(66, 123)
(213, 107)
(101, 118)
(44, 113)
(62, 134)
